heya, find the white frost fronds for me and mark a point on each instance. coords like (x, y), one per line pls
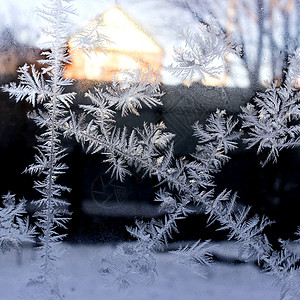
(133, 88)
(101, 111)
(203, 53)
(135, 263)
(215, 140)
(129, 264)
(218, 129)
(284, 266)
(168, 203)
(293, 73)
(140, 148)
(32, 88)
(146, 144)
(253, 243)
(14, 227)
(246, 230)
(195, 257)
(48, 90)
(185, 180)
(271, 121)
(150, 150)
(91, 38)
(57, 14)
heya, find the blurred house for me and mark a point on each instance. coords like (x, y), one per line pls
(130, 48)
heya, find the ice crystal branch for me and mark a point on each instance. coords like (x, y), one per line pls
(248, 231)
(293, 71)
(191, 181)
(57, 14)
(203, 53)
(32, 87)
(47, 88)
(272, 124)
(215, 140)
(134, 88)
(91, 38)
(14, 227)
(195, 257)
(272, 121)
(129, 264)
(150, 151)
(284, 266)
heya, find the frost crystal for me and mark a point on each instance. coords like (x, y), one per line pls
(14, 227)
(203, 53)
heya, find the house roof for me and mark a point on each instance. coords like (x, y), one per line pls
(125, 33)
(130, 48)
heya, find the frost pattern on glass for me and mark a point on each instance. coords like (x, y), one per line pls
(14, 226)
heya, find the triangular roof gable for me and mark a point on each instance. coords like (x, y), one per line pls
(130, 48)
(125, 34)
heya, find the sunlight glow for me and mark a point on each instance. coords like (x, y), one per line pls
(131, 48)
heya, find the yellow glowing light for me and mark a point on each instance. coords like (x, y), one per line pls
(131, 48)
(125, 34)
(93, 65)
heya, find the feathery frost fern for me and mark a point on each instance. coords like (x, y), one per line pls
(91, 38)
(195, 257)
(150, 151)
(132, 88)
(45, 89)
(203, 53)
(271, 123)
(14, 227)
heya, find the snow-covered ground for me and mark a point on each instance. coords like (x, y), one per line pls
(80, 280)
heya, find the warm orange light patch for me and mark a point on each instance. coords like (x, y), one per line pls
(131, 48)
(212, 81)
